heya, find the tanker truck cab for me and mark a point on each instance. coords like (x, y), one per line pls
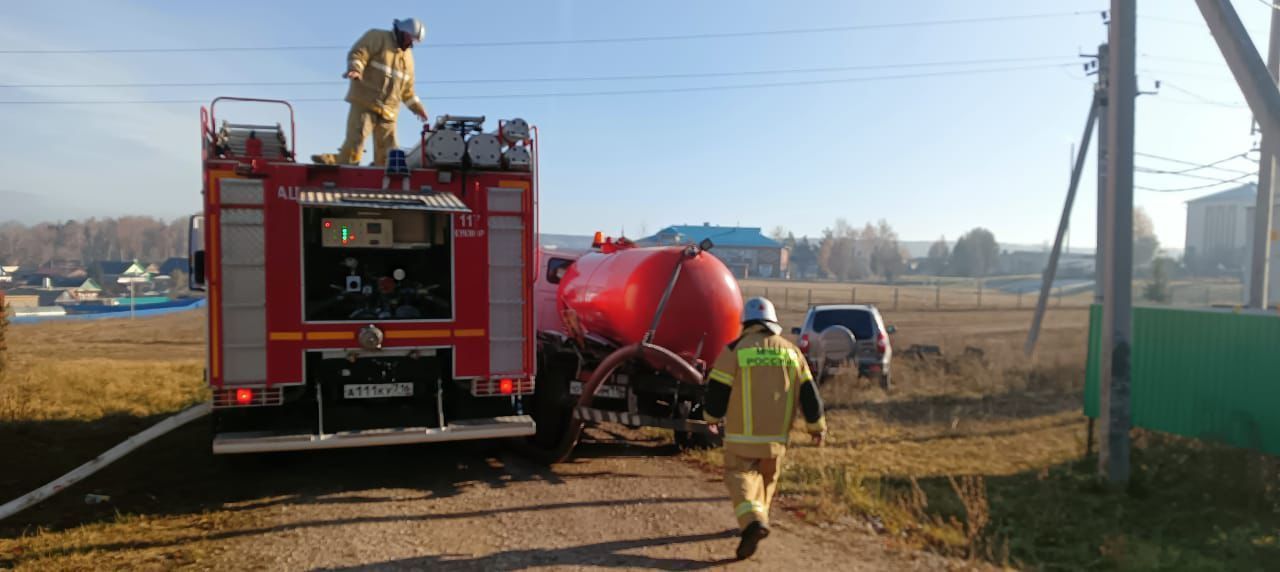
(633, 333)
(356, 306)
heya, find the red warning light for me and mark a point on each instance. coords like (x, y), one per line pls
(328, 224)
(506, 386)
(244, 396)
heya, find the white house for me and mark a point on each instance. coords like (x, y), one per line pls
(1220, 229)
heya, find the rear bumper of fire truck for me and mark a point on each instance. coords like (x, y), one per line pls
(459, 430)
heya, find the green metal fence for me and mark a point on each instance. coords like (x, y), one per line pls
(1206, 374)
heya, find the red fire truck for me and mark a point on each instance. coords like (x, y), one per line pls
(355, 306)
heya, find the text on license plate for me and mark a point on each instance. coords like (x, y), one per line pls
(372, 390)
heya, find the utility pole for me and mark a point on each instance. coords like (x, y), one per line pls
(1064, 223)
(1263, 213)
(1099, 253)
(1117, 296)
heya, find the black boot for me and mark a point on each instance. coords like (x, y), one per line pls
(751, 537)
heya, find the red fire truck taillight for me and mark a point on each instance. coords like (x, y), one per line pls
(247, 397)
(501, 387)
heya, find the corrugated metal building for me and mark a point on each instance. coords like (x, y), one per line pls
(1220, 228)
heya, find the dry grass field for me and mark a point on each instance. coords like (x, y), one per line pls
(979, 456)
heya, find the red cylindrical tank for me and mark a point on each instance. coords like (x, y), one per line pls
(615, 295)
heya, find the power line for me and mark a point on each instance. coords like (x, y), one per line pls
(1202, 98)
(1200, 167)
(545, 79)
(1151, 171)
(1197, 187)
(1197, 166)
(582, 93)
(580, 41)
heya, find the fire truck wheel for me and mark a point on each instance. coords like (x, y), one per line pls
(552, 409)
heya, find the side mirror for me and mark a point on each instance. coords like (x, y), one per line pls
(891, 329)
(795, 331)
(195, 253)
(706, 244)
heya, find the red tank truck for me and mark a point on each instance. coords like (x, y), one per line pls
(632, 334)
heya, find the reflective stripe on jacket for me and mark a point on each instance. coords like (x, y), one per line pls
(386, 75)
(766, 375)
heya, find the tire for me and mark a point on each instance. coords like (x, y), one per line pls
(552, 409)
(686, 440)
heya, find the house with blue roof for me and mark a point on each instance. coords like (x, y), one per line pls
(744, 249)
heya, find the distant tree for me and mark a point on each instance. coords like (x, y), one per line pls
(1158, 289)
(936, 261)
(778, 233)
(976, 254)
(837, 251)
(804, 258)
(127, 238)
(1145, 243)
(887, 259)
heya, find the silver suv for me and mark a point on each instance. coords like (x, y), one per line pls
(837, 336)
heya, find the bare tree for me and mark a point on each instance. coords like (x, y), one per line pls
(1145, 243)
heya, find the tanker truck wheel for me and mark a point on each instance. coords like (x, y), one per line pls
(695, 439)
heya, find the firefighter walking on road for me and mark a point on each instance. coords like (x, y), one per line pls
(756, 386)
(380, 67)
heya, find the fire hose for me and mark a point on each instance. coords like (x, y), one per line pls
(110, 456)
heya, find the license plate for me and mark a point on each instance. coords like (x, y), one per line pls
(607, 391)
(375, 390)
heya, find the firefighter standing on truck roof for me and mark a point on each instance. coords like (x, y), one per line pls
(380, 67)
(756, 386)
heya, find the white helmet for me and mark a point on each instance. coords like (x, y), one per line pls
(761, 310)
(413, 28)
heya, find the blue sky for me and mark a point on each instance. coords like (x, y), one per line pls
(933, 155)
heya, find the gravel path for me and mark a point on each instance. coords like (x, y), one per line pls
(450, 507)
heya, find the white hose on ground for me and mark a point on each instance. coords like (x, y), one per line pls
(112, 455)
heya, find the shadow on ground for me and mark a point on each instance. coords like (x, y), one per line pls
(601, 555)
(177, 474)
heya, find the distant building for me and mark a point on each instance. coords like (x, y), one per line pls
(116, 275)
(87, 292)
(745, 250)
(171, 265)
(6, 274)
(1219, 229)
(27, 298)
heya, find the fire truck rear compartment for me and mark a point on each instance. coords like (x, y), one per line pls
(364, 264)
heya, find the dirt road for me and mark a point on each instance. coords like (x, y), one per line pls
(429, 507)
